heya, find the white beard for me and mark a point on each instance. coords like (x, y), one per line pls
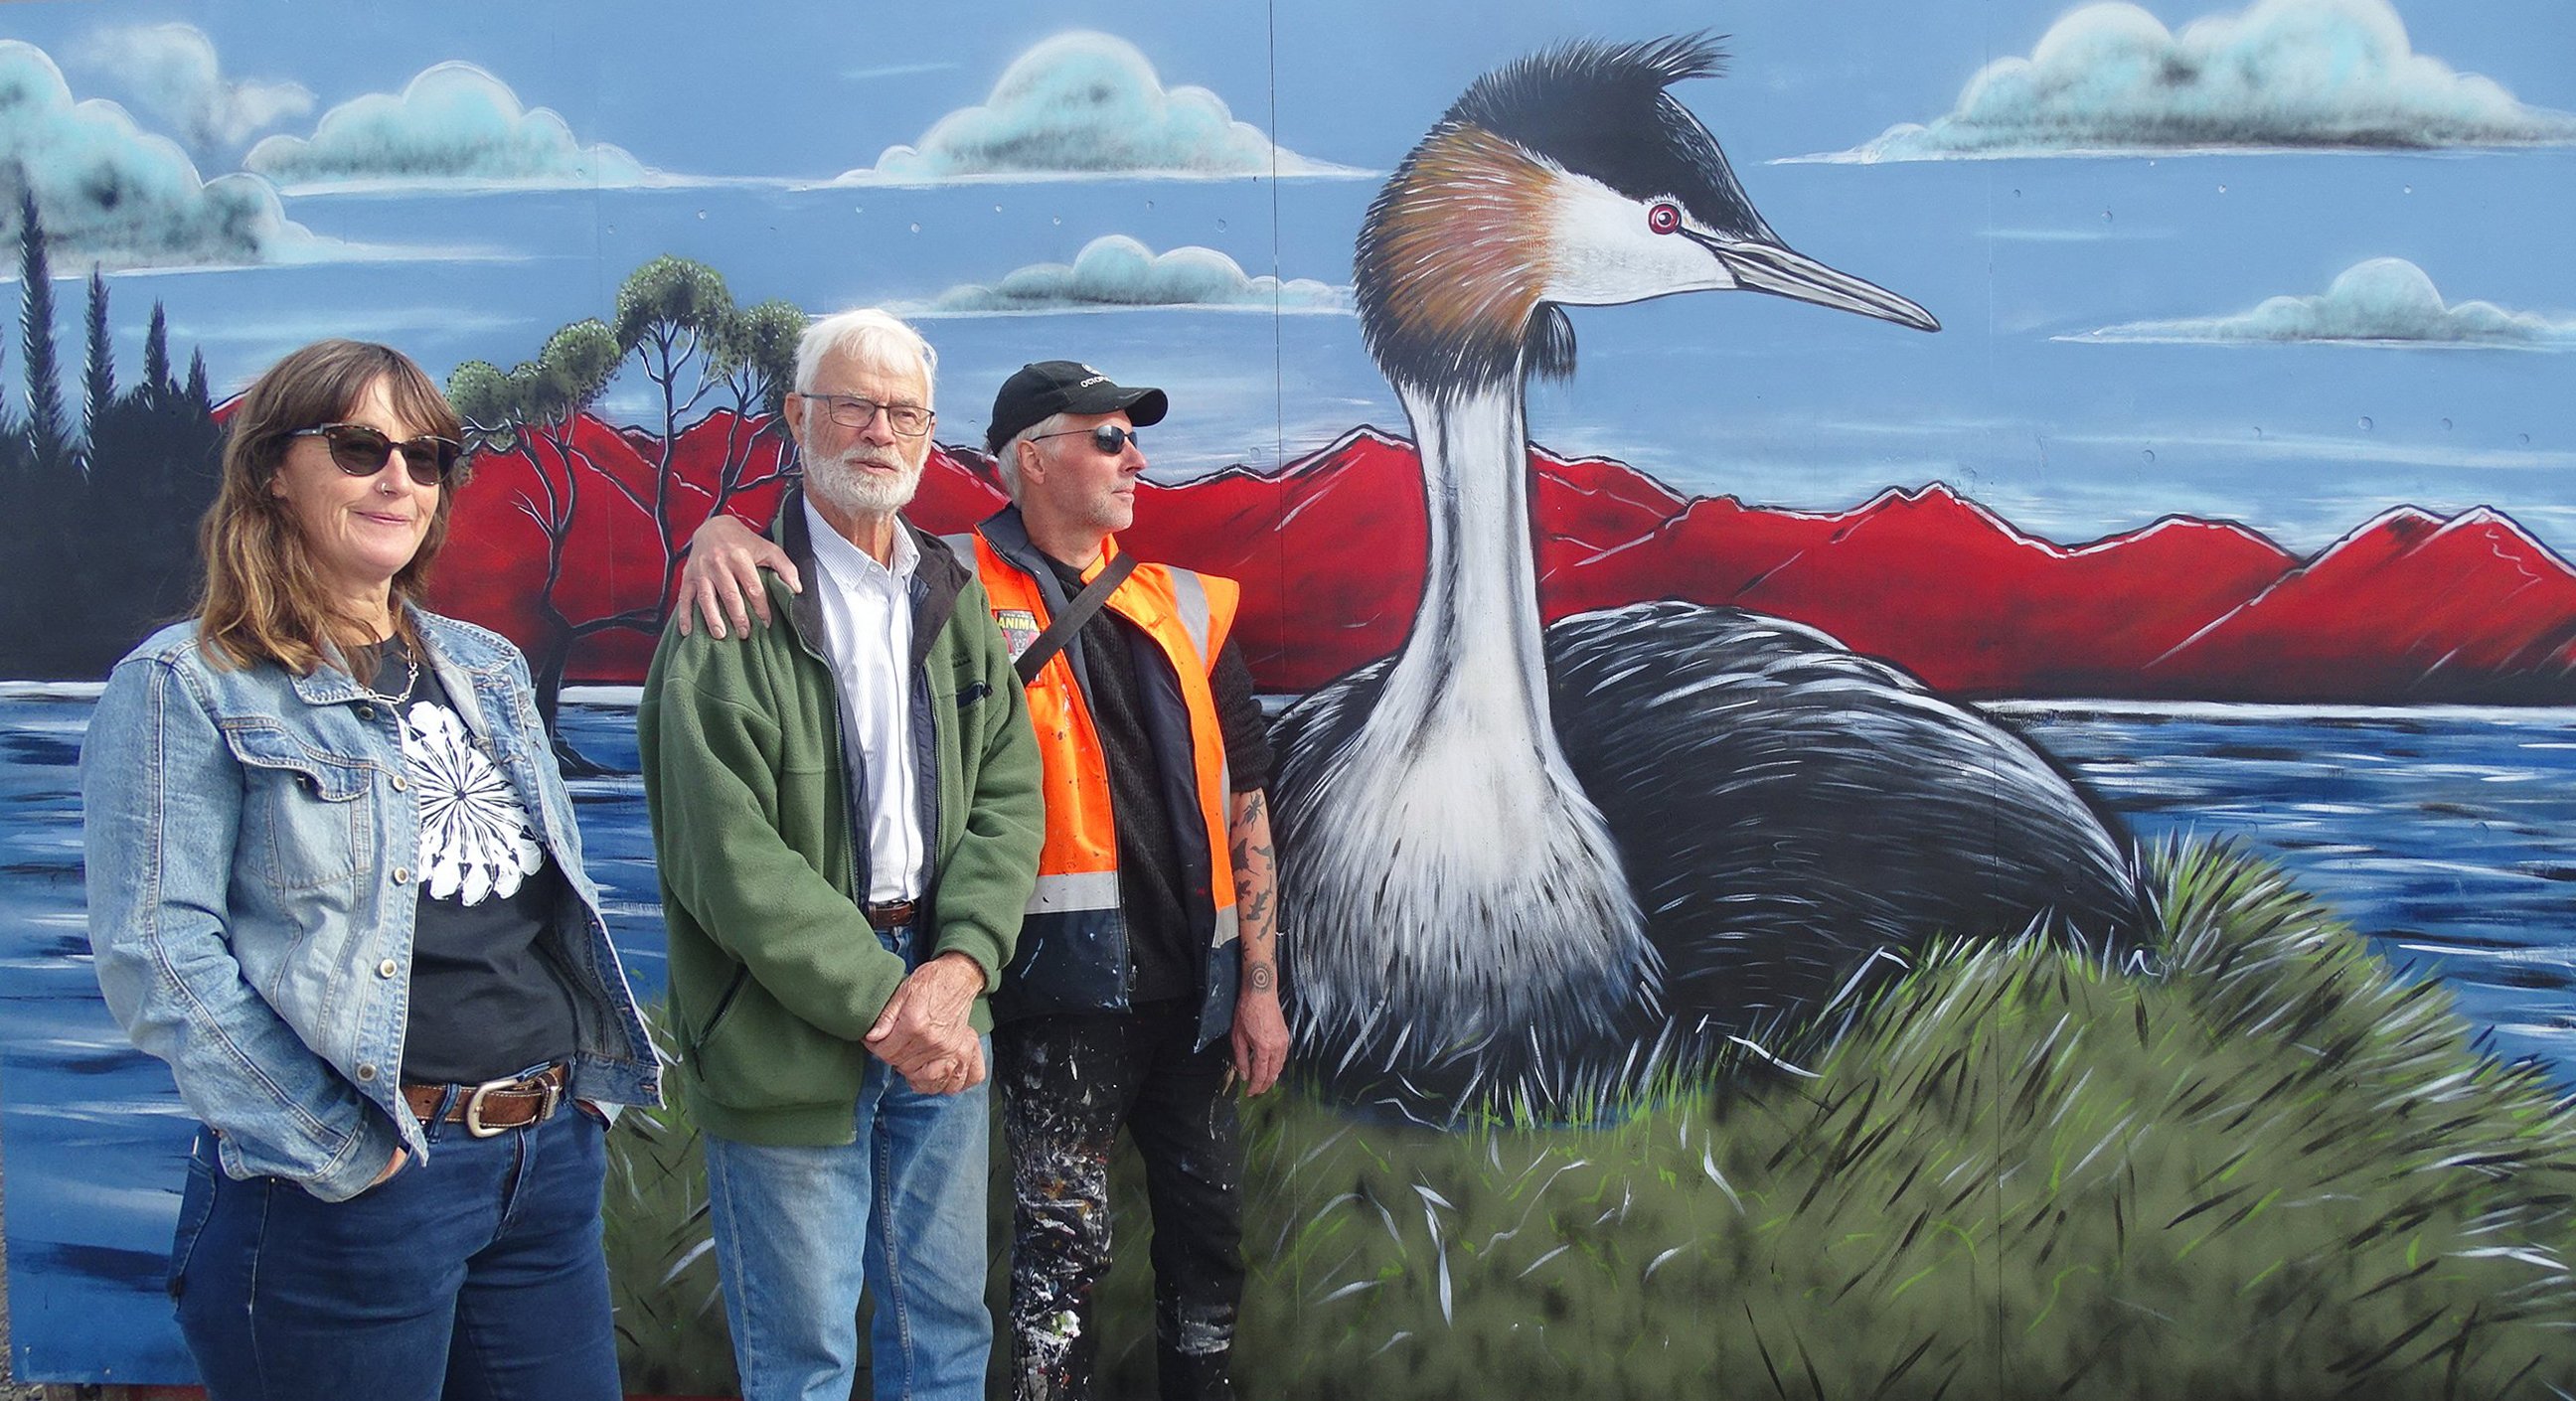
(840, 483)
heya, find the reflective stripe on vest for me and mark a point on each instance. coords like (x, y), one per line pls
(1190, 600)
(1079, 890)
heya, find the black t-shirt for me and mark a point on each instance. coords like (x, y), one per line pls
(1164, 958)
(486, 1000)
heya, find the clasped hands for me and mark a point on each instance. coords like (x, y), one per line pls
(926, 1032)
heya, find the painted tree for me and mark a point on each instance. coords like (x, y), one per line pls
(49, 435)
(98, 361)
(757, 358)
(675, 322)
(148, 473)
(16, 458)
(534, 410)
(196, 392)
(156, 356)
(676, 317)
(103, 520)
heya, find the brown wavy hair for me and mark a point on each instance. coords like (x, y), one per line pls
(262, 598)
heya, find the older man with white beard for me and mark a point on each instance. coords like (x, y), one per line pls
(846, 816)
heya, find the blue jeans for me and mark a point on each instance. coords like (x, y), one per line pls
(473, 1274)
(910, 1187)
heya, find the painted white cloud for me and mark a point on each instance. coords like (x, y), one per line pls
(1086, 104)
(2335, 74)
(454, 126)
(173, 73)
(2385, 301)
(112, 193)
(1116, 272)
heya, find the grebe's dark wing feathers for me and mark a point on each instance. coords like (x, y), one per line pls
(1785, 808)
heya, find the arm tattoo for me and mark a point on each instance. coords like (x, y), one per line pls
(1256, 880)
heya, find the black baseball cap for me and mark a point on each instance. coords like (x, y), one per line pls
(1049, 387)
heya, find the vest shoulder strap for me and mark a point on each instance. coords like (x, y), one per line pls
(1061, 628)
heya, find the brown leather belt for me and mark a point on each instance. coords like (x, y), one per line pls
(893, 913)
(494, 1105)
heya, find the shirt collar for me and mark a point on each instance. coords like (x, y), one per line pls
(849, 563)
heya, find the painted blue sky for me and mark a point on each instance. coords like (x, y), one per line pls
(2291, 336)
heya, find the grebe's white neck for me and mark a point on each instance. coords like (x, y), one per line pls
(1454, 853)
(1475, 639)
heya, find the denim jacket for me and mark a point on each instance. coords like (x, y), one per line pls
(251, 898)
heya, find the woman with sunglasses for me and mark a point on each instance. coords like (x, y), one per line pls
(334, 881)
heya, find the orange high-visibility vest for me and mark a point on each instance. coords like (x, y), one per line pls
(1072, 953)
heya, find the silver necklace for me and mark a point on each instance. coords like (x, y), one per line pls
(411, 678)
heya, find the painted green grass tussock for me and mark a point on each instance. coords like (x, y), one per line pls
(2266, 1169)
(671, 1338)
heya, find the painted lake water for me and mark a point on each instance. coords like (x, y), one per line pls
(2447, 835)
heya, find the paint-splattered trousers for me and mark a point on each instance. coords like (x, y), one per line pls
(1069, 1083)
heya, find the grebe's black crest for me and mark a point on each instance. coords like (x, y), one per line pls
(1602, 110)
(1449, 273)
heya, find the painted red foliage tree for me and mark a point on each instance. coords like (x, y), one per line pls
(569, 537)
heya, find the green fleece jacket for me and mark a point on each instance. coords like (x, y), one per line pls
(775, 973)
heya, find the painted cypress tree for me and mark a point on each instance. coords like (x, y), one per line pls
(196, 390)
(98, 362)
(156, 357)
(49, 438)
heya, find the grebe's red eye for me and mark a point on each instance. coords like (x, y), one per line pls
(1664, 216)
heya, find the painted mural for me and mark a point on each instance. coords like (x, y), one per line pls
(1991, 820)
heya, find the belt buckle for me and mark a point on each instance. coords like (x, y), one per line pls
(892, 914)
(474, 1124)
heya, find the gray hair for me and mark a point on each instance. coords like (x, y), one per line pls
(872, 338)
(1008, 464)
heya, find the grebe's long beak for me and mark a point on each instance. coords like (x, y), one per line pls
(1785, 272)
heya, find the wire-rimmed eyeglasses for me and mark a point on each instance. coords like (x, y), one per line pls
(853, 411)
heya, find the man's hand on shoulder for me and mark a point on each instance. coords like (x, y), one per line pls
(722, 577)
(926, 1032)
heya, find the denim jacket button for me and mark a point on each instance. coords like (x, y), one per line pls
(367, 1072)
(388, 968)
(400, 783)
(366, 712)
(402, 875)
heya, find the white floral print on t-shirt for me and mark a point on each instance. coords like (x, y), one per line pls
(475, 840)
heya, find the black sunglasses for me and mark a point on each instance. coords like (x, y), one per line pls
(1110, 438)
(360, 451)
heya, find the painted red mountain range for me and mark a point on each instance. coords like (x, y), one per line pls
(2409, 608)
